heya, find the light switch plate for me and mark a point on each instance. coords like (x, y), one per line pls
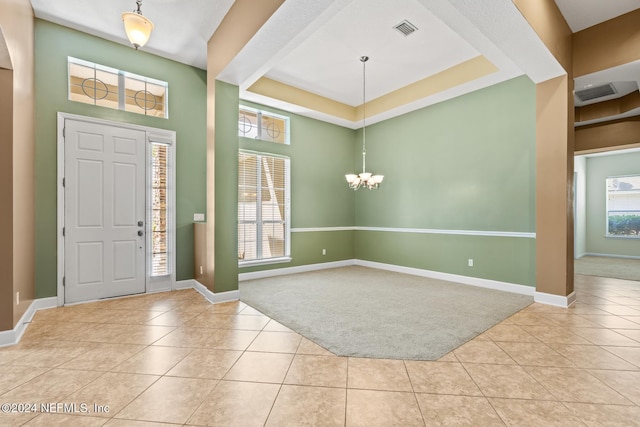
(198, 217)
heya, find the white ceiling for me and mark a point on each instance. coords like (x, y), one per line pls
(315, 45)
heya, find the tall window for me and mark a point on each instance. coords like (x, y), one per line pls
(108, 87)
(623, 206)
(159, 175)
(257, 124)
(263, 208)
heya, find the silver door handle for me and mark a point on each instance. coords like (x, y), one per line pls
(140, 232)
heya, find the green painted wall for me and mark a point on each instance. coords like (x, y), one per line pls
(226, 188)
(187, 116)
(467, 163)
(320, 153)
(464, 164)
(598, 169)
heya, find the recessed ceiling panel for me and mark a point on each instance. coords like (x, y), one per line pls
(328, 62)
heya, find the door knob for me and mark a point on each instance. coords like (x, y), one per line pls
(140, 223)
(140, 232)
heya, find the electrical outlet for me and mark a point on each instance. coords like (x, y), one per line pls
(17, 298)
(470, 262)
(324, 252)
(198, 217)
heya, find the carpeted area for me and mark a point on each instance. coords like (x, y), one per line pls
(358, 311)
(616, 268)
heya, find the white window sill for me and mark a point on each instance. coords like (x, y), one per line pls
(266, 261)
(613, 236)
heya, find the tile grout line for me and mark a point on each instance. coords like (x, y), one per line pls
(413, 392)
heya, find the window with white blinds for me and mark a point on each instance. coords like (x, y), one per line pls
(263, 208)
(159, 178)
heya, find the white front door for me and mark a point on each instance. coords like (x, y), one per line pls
(104, 211)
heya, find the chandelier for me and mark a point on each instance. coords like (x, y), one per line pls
(137, 27)
(364, 179)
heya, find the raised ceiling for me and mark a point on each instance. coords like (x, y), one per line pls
(314, 46)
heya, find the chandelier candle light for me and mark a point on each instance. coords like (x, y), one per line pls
(137, 27)
(364, 179)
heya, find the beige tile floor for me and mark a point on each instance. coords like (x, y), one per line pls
(174, 359)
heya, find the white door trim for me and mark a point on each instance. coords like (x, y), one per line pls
(152, 134)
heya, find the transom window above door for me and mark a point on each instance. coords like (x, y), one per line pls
(108, 87)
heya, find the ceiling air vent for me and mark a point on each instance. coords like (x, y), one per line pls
(596, 92)
(405, 27)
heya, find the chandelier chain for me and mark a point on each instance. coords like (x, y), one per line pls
(364, 102)
(364, 179)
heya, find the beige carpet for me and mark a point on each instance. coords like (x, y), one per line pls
(617, 268)
(365, 312)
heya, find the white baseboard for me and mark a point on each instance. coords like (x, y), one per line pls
(212, 297)
(556, 300)
(578, 256)
(292, 270)
(612, 255)
(473, 281)
(185, 284)
(12, 336)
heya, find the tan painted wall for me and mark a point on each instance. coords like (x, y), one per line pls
(554, 184)
(547, 20)
(554, 153)
(602, 46)
(17, 22)
(608, 136)
(609, 108)
(6, 194)
(609, 44)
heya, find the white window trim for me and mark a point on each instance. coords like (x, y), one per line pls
(606, 211)
(163, 281)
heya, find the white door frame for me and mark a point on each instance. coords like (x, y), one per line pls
(153, 284)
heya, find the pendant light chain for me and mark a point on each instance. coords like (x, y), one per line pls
(364, 179)
(364, 60)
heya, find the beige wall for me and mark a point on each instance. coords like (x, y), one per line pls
(6, 193)
(606, 45)
(547, 20)
(607, 136)
(17, 22)
(609, 44)
(554, 153)
(554, 189)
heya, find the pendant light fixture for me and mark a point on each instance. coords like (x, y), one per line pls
(364, 179)
(137, 27)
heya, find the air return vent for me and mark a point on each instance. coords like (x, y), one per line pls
(405, 27)
(596, 92)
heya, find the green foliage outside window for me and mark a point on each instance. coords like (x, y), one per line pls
(624, 225)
